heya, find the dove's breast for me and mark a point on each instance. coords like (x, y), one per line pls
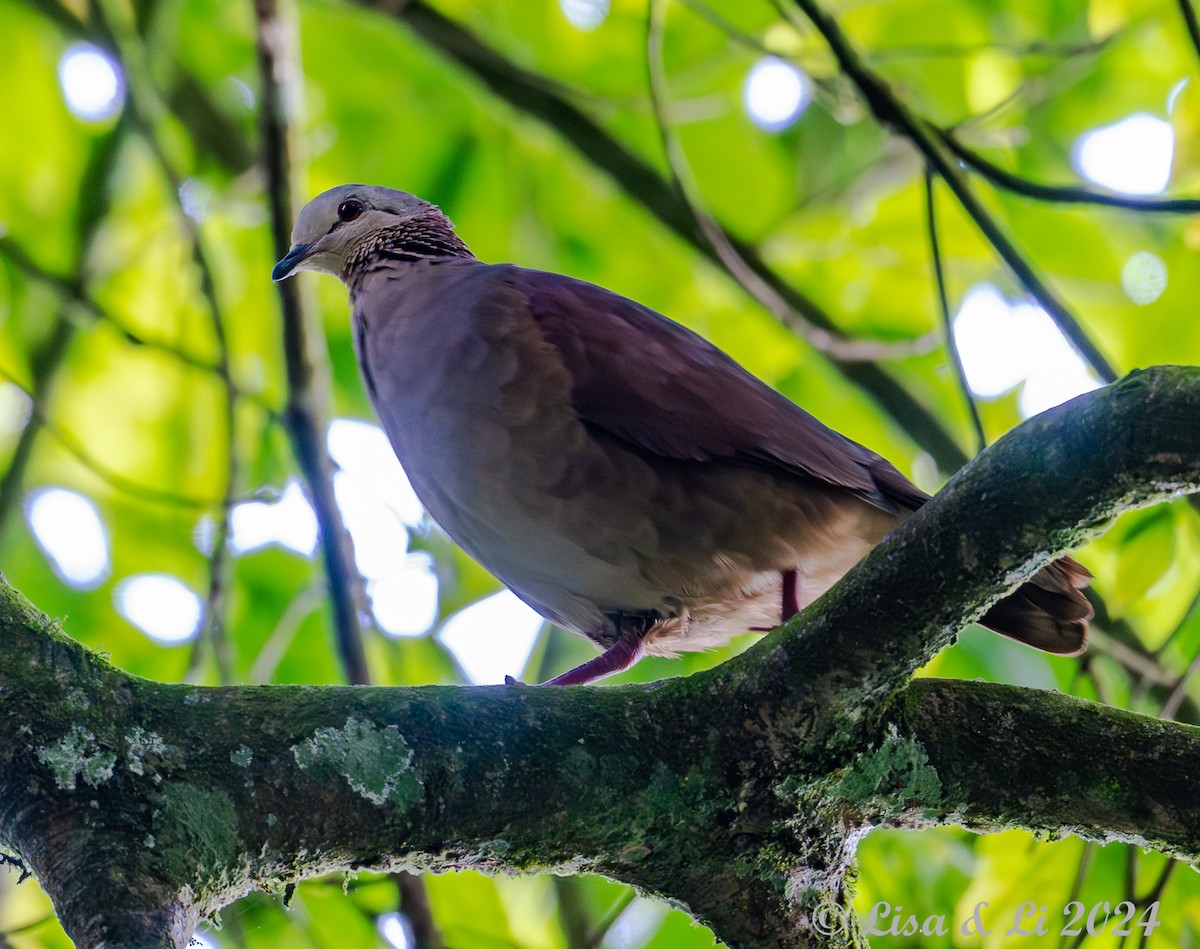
(577, 521)
(478, 410)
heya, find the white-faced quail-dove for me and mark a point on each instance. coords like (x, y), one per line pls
(620, 474)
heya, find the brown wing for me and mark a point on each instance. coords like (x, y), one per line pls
(661, 387)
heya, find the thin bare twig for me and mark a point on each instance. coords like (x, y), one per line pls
(609, 919)
(75, 448)
(73, 291)
(1193, 25)
(944, 306)
(727, 254)
(1152, 895)
(1153, 673)
(268, 658)
(1160, 883)
(900, 53)
(306, 361)
(740, 36)
(44, 364)
(1063, 194)
(1136, 663)
(1192, 610)
(891, 111)
(143, 106)
(414, 904)
(1152, 681)
(959, 50)
(47, 360)
(1171, 706)
(1081, 871)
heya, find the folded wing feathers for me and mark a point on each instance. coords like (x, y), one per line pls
(658, 385)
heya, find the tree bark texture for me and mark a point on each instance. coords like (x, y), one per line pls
(738, 794)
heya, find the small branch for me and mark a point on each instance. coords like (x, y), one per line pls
(1013, 757)
(1150, 679)
(306, 361)
(944, 307)
(962, 50)
(212, 132)
(596, 937)
(891, 111)
(536, 96)
(739, 36)
(414, 904)
(44, 363)
(1171, 706)
(143, 106)
(1193, 26)
(1086, 856)
(75, 448)
(71, 290)
(722, 246)
(1155, 891)
(47, 361)
(1145, 667)
(572, 911)
(1063, 194)
(74, 293)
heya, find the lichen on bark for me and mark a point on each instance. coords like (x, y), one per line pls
(738, 793)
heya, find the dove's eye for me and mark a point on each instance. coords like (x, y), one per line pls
(349, 210)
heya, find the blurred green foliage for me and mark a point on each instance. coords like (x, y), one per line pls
(108, 342)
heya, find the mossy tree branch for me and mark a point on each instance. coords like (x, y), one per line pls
(738, 793)
(1057, 763)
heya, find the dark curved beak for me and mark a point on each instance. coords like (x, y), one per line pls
(284, 268)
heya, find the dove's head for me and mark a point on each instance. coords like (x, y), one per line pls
(342, 227)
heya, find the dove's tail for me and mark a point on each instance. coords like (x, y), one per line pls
(1048, 612)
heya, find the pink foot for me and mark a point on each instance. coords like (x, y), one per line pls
(791, 594)
(628, 649)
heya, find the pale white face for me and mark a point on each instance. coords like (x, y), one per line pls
(335, 223)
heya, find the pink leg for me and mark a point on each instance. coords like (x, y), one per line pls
(791, 594)
(622, 654)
